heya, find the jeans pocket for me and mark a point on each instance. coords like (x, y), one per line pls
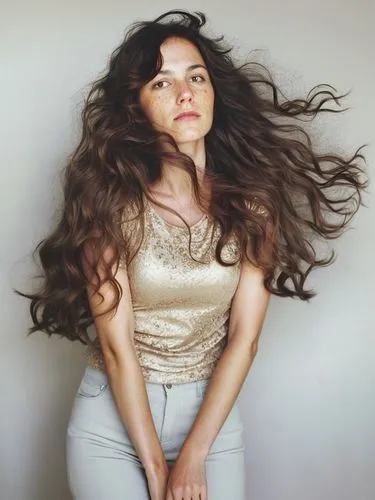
(91, 386)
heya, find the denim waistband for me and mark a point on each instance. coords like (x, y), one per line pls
(99, 377)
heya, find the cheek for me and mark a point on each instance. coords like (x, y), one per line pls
(154, 109)
(208, 99)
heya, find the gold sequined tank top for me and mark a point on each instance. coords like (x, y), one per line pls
(181, 306)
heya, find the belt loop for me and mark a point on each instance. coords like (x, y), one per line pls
(202, 386)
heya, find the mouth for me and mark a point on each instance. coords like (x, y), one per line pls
(188, 115)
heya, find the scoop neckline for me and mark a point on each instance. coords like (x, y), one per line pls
(173, 226)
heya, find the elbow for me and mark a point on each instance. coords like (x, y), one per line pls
(245, 347)
(111, 359)
(247, 353)
(116, 357)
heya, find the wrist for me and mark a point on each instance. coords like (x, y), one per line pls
(195, 452)
(156, 466)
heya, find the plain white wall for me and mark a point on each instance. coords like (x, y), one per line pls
(308, 401)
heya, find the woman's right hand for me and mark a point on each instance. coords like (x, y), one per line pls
(157, 479)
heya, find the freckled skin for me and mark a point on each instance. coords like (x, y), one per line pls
(182, 90)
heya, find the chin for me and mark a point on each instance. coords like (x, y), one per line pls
(190, 136)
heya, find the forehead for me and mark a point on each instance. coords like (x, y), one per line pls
(179, 52)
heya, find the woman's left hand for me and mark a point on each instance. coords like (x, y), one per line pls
(187, 478)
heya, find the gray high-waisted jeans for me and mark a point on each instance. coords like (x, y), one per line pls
(102, 462)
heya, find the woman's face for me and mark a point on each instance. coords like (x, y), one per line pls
(182, 85)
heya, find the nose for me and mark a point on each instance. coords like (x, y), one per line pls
(184, 93)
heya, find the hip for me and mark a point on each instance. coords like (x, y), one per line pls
(174, 408)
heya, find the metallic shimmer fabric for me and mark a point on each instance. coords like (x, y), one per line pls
(181, 306)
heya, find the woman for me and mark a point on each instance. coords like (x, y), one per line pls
(187, 203)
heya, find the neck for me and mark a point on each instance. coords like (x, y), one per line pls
(177, 183)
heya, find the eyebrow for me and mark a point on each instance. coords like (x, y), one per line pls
(189, 68)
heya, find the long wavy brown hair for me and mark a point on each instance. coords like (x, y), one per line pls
(268, 181)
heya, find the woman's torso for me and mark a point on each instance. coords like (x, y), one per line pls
(181, 306)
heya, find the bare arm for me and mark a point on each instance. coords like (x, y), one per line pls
(116, 332)
(248, 310)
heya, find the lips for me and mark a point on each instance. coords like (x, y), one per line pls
(187, 114)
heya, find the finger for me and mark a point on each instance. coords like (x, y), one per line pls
(202, 493)
(195, 495)
(187, 493)
(169, 495)
(179, 494)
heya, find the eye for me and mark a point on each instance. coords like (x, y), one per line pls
(157, 84)
(199, 76)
